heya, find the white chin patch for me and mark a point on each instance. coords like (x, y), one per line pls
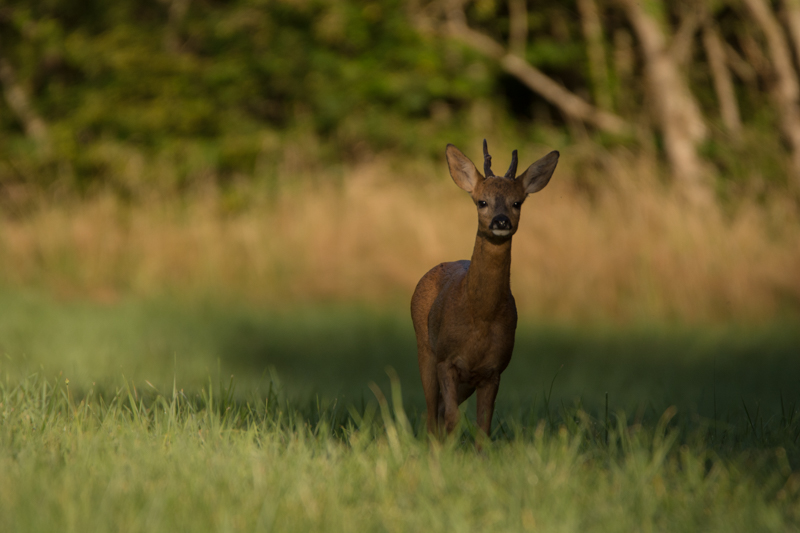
(501, 232)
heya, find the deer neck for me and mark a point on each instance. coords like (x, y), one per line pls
(489, 276)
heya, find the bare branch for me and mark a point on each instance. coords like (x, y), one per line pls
(20, 105)
(786, 90)
(568, 102)
(595, 50)
(793, 22)
(177, 12)
(676, 111)
(721, 76)
(518, 21)
(755, 56)
(623, 68)
(681, 46)
(780, 55)
(739, 65)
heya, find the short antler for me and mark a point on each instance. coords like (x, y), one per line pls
(487, 160)
(512, 170)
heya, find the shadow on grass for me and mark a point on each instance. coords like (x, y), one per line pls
(336, 351)
(710, 371)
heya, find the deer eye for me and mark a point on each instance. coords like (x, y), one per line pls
(517, 205)
(481, 204)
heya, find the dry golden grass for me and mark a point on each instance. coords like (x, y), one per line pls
(628, 249)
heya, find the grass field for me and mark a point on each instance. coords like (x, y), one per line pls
(221, 360)
(195, 415)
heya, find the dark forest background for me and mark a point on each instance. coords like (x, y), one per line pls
(215, 90)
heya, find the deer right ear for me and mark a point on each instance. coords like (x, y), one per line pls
(538, 174)
(462, 170)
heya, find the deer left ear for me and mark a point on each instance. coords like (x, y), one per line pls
(538, 174)
(462, 170)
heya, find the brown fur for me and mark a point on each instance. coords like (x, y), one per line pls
(463, 312)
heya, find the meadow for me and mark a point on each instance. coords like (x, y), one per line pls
(149, 415)
(213, 215)
(244, 361)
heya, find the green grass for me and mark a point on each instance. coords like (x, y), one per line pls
(125, 417)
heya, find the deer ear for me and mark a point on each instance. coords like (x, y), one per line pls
(538, 174)
(462, 170)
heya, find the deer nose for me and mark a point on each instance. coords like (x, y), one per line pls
(500, 222)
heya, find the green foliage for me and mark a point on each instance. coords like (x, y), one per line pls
(224, 76)
(160, 95)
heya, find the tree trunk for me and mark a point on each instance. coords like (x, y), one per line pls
(569, 103)
(624, 65)
(793, 22)
(721, 76)
(19, 103)
(675, 110)
(596, 53)
(785, 90)
(743, 70)
(518, 27)
(177, 12)
(681, 44)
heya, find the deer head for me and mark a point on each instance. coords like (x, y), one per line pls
(499, 199)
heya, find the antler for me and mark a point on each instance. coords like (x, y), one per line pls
(512, 170)
(487, 160)
(487, 163)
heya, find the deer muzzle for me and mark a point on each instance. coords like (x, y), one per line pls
(501, 226)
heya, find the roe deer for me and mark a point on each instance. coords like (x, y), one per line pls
(463, 312)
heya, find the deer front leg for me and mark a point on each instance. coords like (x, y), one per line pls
(487, 392)
(448, 385)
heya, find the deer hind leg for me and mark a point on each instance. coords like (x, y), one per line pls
(430, 386)
(464, 392)
(421, 302)
(487, 392)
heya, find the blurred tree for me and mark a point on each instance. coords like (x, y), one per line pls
(674, 107)
(20, 104)
(595, 52)
(203, 89)
(723, 82)
(514, 63)
(785, 89)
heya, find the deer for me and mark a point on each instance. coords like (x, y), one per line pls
(464, 315)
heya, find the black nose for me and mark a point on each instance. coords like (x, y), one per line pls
(500, 222)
